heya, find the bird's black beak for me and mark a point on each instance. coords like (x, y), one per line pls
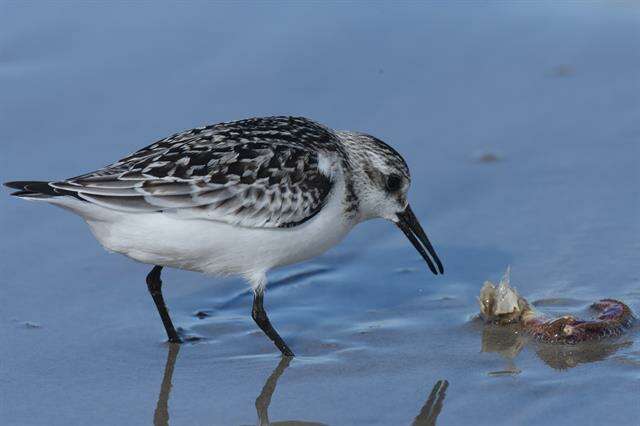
(409, 224)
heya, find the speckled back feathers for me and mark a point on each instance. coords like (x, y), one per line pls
(261, 172)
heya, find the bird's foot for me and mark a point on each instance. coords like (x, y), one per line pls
(183, 336)
(286, 351)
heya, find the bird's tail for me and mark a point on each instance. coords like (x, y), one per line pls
(34, 189)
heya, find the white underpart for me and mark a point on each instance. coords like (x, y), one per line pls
(214, 247)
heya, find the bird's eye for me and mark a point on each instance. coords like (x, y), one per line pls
(394, 182)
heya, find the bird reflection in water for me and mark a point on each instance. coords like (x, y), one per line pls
(427, 416)
(161, 415)
(264, 399)
(509, 341)
(432, 407)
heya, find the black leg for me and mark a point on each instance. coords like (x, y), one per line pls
(154, 283)
(259, 315)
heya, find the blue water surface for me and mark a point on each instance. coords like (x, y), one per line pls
(520, 123)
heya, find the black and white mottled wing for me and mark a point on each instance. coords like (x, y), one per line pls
(262, 172)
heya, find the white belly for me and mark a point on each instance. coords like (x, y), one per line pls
(216, 247)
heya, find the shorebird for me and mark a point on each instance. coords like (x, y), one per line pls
(239, 198)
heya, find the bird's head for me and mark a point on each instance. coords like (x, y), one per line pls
(382, 180)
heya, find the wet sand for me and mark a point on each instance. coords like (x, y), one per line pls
(519, 125)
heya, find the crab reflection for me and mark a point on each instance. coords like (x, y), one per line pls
(509, 341)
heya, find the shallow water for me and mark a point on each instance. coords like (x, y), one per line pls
(520, 125)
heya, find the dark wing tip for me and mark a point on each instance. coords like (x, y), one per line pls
(40, 187)
(16, 184)
(35, 187)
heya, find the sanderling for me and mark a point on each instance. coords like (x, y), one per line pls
(239, 198)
